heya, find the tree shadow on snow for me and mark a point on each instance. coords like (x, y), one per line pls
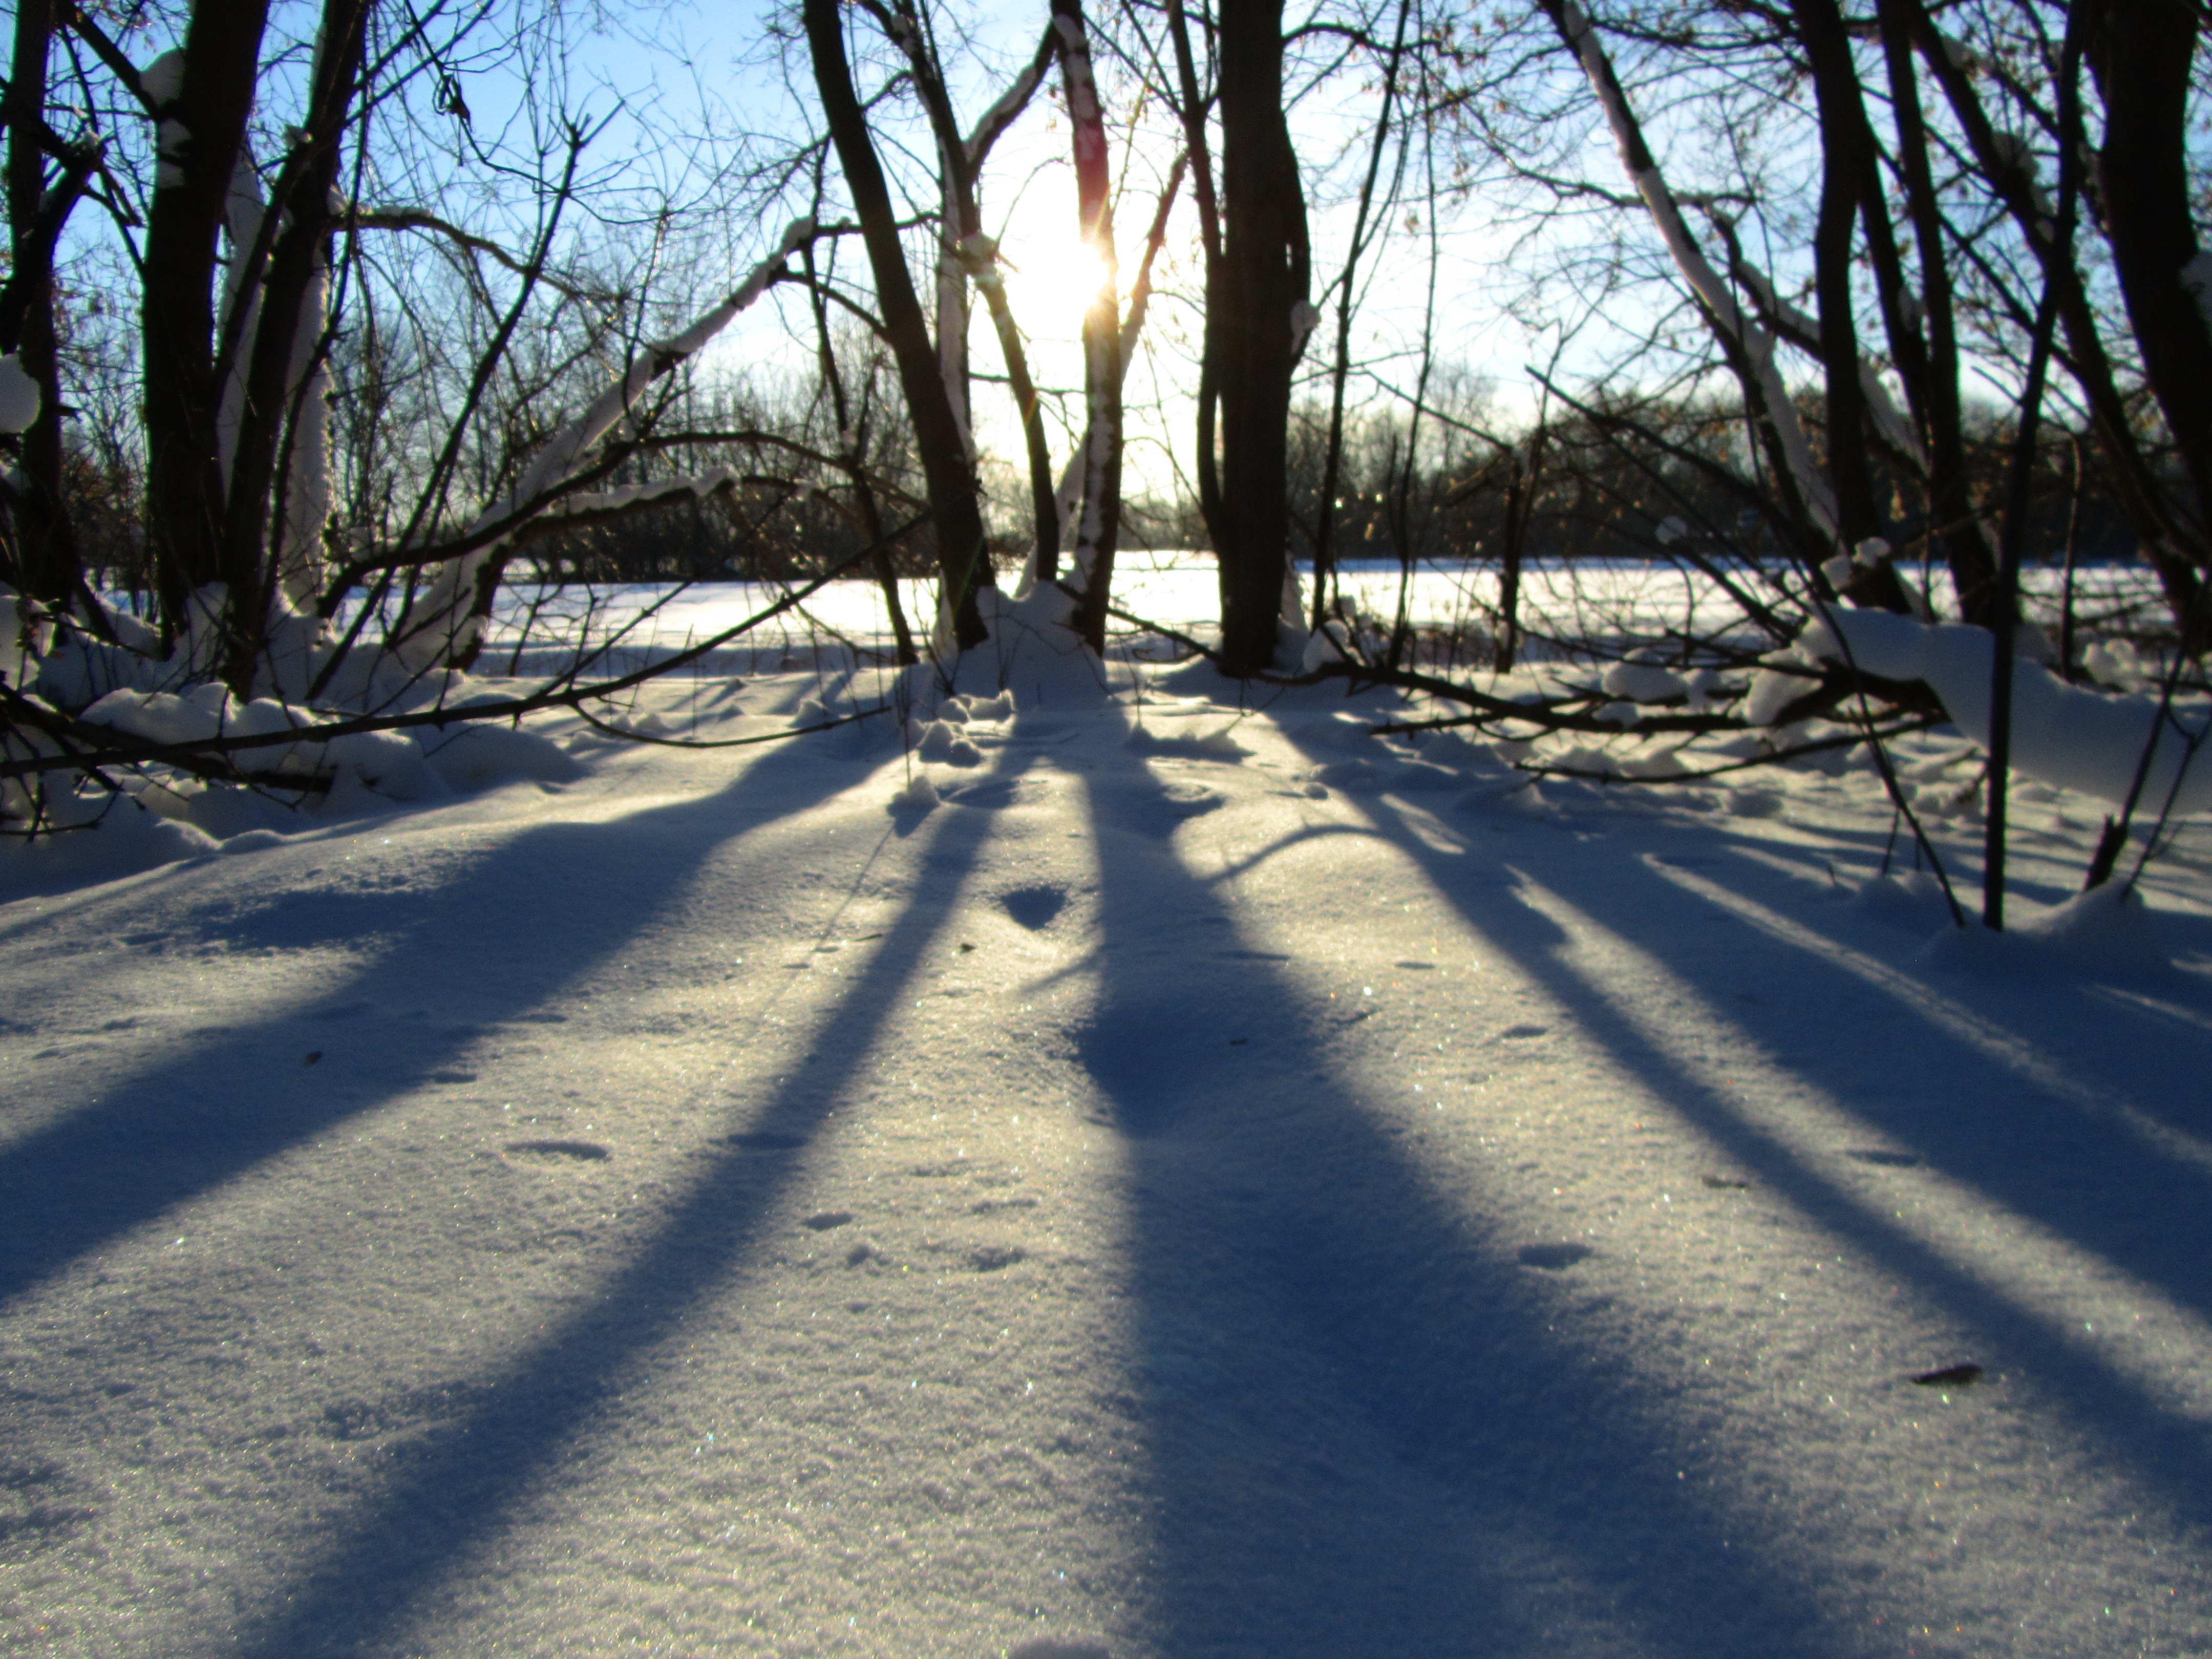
(1369, 1427)
(459, 958)
(1908, 1078)
(520, 1427)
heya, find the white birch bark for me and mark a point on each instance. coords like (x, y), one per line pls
(441, 627)
(305, 500)
(1101, 327)
(1896, 430)
(1755, 344)
(242, 299)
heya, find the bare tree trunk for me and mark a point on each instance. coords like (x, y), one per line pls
(1524, 481)
(1851, 470)
(2174, 545)
(303, 197)
(2142, 53)
(1100, 526)
(964, 250)
(1260, 322)
(1929, 364)
(46, 563)
(1199, 147)
(200, 134)
(963, 561)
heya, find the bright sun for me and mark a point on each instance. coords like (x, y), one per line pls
(1049, 282)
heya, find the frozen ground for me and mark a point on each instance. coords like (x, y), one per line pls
(1300, 1201)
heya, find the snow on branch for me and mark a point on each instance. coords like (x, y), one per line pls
(567, 450)
(598, 506)
(2062, 734)
(1011, 102)
(445, 624)
(1751, 346)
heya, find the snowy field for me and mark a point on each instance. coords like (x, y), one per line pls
(1598, 599)
(1191, 1180)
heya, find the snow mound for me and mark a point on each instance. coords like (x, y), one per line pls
(2061, 733)
(1911, 898)
(919, 795)
(1216, 745)
(101, 837)
(940, 740)
(1641, 678)
(479, 756)
(2108, 930)
(2106, 933)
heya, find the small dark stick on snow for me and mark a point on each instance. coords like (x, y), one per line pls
(1956, 1376)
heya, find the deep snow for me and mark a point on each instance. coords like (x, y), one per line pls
(1204, 1183)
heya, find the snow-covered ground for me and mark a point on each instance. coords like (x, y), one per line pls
(1594, 598)
(1214, 1184)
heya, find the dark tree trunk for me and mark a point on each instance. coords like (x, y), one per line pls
(1197, 146)
(2174, 546)
(1851, 470)
(963, 561)
(44, 565)
(303, 197)
(2141, 52)
(1265, 269)
(1929, 363)
(201, 133)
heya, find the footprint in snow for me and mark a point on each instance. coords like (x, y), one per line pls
(1034, 907)
(1058, 1647)
(1552, 1257)
(589, 1151)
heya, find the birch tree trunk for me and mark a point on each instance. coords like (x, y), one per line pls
(200, 132)
(276, 367)
(963, 562)
(1098, 527)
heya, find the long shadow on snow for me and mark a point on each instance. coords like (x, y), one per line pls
(490, 947)
(523, 1423)
(2094, 1036)
(1979, 1123)
(2078, 1173)
(1364, 1434)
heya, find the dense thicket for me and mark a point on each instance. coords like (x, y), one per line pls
(1872, 305)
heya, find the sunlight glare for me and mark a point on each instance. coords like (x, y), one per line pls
(1050, 282)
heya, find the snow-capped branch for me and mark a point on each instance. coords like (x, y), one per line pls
(1011, 102)
(444, 625)
(2061, 733)
(1751, 347)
